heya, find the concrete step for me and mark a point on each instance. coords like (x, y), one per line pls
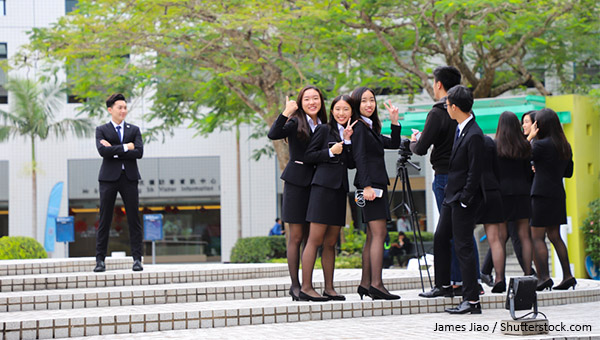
(68, 265)
(209, 314)
(346, 282)
(152, 275)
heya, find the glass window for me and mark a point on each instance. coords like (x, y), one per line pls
(70, 5)
(3, 7)
(3, 56)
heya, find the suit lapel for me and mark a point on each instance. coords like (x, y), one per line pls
(335, 133)
(461, 137)
(126, 132)
(112, 133)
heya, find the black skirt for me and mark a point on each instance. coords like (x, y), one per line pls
(295, 203)
(548, 211)
(327, 206)
(378, 209)
(491, 211)
(516, 207)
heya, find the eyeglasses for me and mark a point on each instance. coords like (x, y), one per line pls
(445, 105)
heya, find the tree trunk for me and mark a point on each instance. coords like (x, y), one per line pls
(239, 182)
(33, 188)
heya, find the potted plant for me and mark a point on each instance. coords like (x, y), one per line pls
(591, 236)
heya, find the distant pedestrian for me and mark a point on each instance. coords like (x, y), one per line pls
(277, 228)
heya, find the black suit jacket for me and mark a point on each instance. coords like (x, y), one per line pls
(549, 170)
(297, 171)
(465, 176)
(490, 165)
(113, 157)
(368, 152)
(330, 172)
(515, 176)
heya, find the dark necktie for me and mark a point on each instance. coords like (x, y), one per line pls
(119, 133)
(457, 133)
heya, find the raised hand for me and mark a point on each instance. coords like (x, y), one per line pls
(348, 131)
(393, 110)
(533, 131)
(290, 107)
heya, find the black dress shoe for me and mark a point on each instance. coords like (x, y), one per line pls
(499, 287)
(465, 307)
(335, 297)
(294, 296)
(305, 297)
(100, 267)
(487, 279)
(137, 266)
(566, 284)
(545, 285)
(438, 291)
(362, 291)
(376, 294)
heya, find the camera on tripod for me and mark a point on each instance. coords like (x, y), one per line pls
(405, 153)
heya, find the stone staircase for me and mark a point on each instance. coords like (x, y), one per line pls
(41, 299)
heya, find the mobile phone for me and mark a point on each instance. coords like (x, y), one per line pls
(378, 192)
(418, 133)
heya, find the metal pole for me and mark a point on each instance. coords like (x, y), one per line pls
(67, 250)
(153, 252)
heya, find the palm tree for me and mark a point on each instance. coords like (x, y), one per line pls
(31, 115)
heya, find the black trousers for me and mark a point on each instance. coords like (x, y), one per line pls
(456, 223)
(513, 233)
(108, 194)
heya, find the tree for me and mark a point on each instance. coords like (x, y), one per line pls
(497, 45)
(31, 115)
(236, 59)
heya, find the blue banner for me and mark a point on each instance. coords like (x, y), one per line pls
(65, 229)
(153, 224)
(53, 208)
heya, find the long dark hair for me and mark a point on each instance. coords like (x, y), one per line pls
(549, 126)
(356, 98)
(303, 128)
(510, 141)
(342, 97)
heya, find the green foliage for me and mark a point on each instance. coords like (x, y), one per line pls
(20, 247)
(425, 235)
(354, 241)
(258, 249)
(591, 231)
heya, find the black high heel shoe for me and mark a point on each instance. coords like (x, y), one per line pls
(376, 294)
(294, 296)
(362, 291)
(305, 297)
(545, 285)
(499, 287)
(335, 297)
(566, 284)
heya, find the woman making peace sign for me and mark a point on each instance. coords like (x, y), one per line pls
(329, 148)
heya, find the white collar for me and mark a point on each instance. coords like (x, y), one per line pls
(122, 125)
(311, 123)
(462, 125)
(367, 120)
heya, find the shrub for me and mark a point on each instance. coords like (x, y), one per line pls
(591, 231)
(258, 249)
(425, 235)
(354, 241)
(20, 247)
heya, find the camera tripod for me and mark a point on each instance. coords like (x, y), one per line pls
(408, 204)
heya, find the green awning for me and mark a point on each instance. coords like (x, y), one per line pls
(486, 111)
